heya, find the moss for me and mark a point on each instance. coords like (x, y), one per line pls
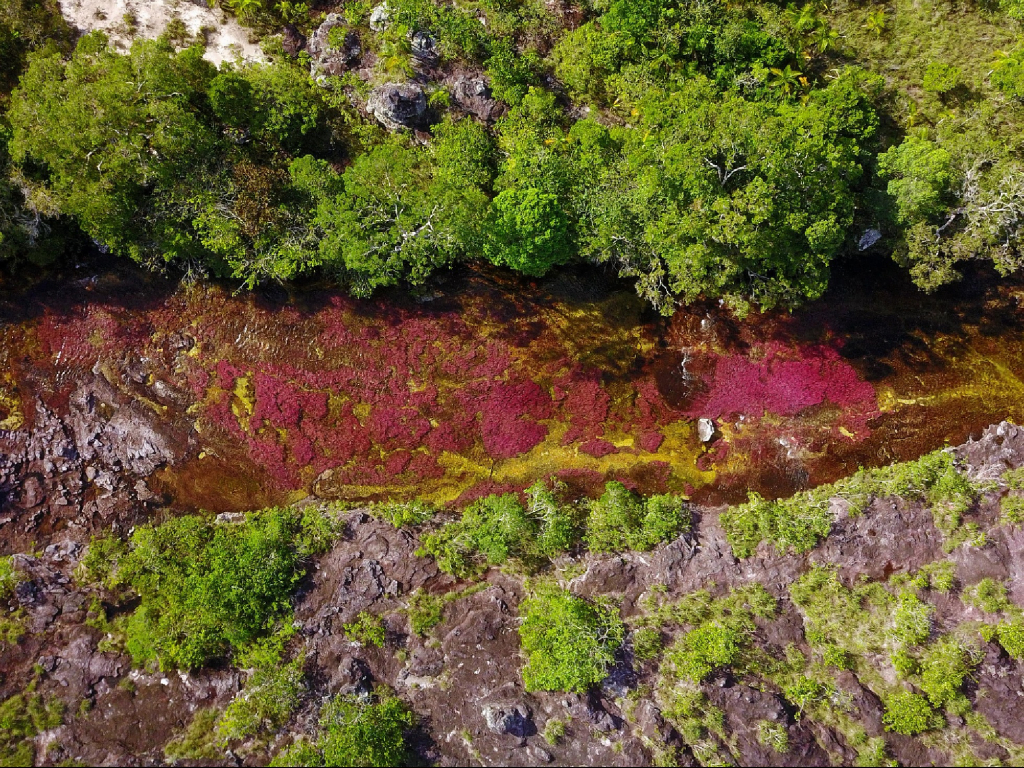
(9, 578)
(426, 610)
(1011, 637)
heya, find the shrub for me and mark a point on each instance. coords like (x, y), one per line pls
(356, 731)
(800, 521)
(9, 578)
(909, 714)
(267, 701)
(941, 77)
(569, 642)
(703, 650)
(944, 666)
(367, 630)
(989, 595)
(22, 717)
(647, 643)
(912, 619)
(197, 741)
(1012, 509)
(1011, 638)
(773, 735)
(206, 589)
(620, 519)
(401, 514)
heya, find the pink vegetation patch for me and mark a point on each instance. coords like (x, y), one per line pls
(784, 381)
(598, 448)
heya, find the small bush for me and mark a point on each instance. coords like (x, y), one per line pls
(1012, 509)
(425, 611)
(620, 520)
(9, 578)
(401, 514)
(944, 667)
(773, 735)
(909, 714)
(647, 643)
(941, 575)
(703, 650)
(989, 595)
(198, 741)
(22, 717)
(554, 731)
(569, 642)
(367, 630)
(912, 619)
(355, 731)
(207, 589)
(941, 77)
(269, 698)
(1011, 637)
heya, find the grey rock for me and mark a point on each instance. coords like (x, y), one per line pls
(509, 719)
(424, 48)
(379, 17)
(868, 239)
(292, 40)
(473, 95)
(705, 430)
(333, 54)
(398, 105)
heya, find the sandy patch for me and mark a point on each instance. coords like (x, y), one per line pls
(227, 40)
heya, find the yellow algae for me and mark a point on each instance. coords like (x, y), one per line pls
(244, 401)
(847, 433)
(361, 411)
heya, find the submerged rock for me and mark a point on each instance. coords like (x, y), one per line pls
(705, 430)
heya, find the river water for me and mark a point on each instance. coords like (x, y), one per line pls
(488, 383)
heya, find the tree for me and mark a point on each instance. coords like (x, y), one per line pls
(529, 231)
(921, 177)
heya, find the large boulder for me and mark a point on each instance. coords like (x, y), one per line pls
(473, 95)
(292, 41)
(334, 48)
(398, 106)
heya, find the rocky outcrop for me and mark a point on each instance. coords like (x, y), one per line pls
(333, 47)
(473, 96)
(398, 106)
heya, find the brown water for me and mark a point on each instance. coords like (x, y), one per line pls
(490, 383)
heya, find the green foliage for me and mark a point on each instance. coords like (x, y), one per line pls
(800, 521)
(944, 667)
(941, 77)
(367, 630)
(773, 735)
(554, 731)
(569, 642)
(355, 731)
(647, 643)
(23, 716)
(912, 618)
(206, 589)
(989, 595)
(1011, 638)
(198, 741)
(921, 176)
(401, 514)
(530, 232)
(269, 698)
(620, 520)
(9, 578)
(1011, 508)
(909, 714)
(703, 650)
